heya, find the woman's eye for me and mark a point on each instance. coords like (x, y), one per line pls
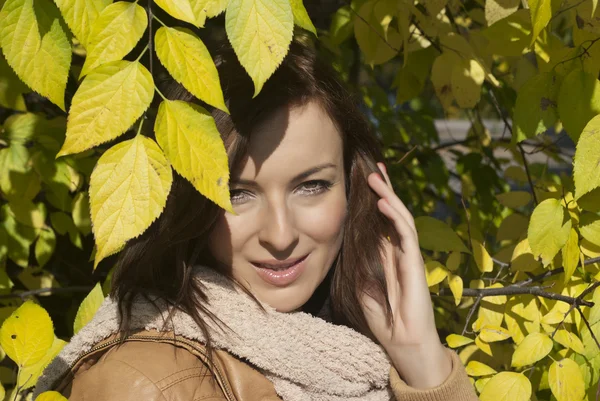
(315, 187)
(238, 195)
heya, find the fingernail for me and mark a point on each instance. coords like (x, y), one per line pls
(382, 167)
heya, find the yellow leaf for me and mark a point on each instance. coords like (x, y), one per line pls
(435, 272)
(541, 12)
(435, 235)
(128, 191)
(522, 315)
(578, 103)
(570, 255)
(454, 260)
(549, 229)
(533, 348)
(566, 380)
(480, 383)
(80, 15)
(512, 227)
(35, 45)
(11, 88)
(260, 32)
(475, 368)
(211, 8)
(187, 59)
(491, 311)
(109, 100)
(514, 199)
(553, 317)
(483, 346)
(466, 80)
(51, 396)
(30, 374)
(185, 10)
(441, 74)
(114, 34)
(456, 286)
(482, 257)
(456, 340)
(569, 340)
(507, 386)
(523, 259)
(491, 334)
(301, 17)
(88, 308)
(27, 334)
(587, 158)
(188, 135)
(370, 35)
(496, 10)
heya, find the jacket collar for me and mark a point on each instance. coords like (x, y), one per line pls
(305, 357)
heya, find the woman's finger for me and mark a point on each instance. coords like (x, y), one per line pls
(396, 201)
(382, 189)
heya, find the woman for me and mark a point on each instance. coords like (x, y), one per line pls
(286, 299)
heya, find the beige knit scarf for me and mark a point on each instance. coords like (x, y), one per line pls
(305, 357)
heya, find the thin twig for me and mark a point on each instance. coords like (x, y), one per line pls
(26, 294)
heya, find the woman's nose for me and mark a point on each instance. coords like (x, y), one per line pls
(278, 228)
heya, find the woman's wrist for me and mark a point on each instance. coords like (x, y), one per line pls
(422, 366)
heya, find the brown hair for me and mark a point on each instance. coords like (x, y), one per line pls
(159, 262)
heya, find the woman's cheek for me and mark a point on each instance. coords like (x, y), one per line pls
(326, 220)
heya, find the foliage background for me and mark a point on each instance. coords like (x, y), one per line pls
(510, 231)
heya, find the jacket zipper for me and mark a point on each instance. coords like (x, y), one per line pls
(217, 371)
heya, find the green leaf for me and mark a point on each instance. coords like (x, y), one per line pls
(536, 106)
(533, 348)
(114, 34)
(570, 255)
(370, 34)
(514, 199)
(578, 101)
(466, 80)
(549, 229)
(507, 386)
(128, 191)
(589, 226)
(44, 246)
(541, 12)
(435, 235)
(27, 335)
(11, 88)
(81, 213)
(187, 59)
(20, 237)
(188, 135)
(80, 15)
(587, 159)
(185, 10)
(260, 32)
(566, 380)
(88, 308)
(109, 100)
(36, 46)
(495, 10)
(301, 17)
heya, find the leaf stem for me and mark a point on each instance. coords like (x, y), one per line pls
(162, 23)
(160, 93)
(142, 53)
(140, 126)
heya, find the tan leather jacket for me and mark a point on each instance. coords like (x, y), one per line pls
(153, 366)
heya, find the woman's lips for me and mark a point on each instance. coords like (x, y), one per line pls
(282, 277)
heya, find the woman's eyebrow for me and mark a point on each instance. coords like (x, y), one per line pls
(299, 177)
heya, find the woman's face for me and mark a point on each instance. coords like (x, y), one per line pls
(290, 200)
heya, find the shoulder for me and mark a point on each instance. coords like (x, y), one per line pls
(145, 369)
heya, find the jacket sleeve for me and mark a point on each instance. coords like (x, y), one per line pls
(456, 387)
(134, 374)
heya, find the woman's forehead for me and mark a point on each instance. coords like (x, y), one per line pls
(291, 140)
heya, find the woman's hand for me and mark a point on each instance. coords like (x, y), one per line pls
(412, 341)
